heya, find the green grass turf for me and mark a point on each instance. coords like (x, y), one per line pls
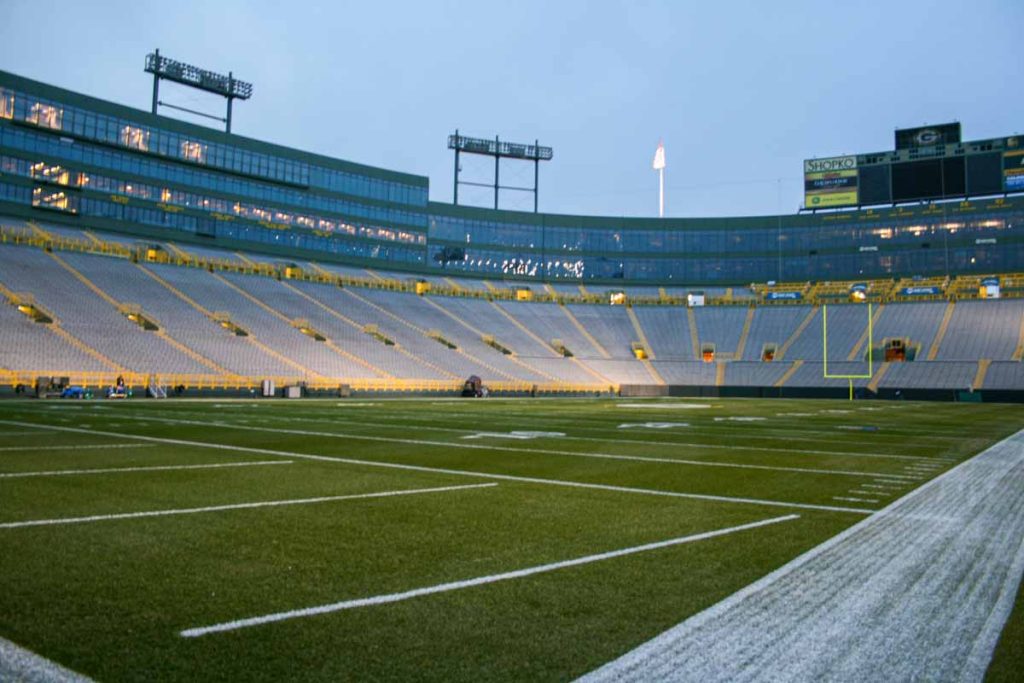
(109, 598)
(1008, 660)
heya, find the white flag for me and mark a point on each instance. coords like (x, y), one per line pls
(659, 157)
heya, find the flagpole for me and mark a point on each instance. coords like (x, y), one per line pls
(659, 165)
(661, 193)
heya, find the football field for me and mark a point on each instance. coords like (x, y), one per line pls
(447, 539)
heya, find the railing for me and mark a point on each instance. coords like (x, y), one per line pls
(878, 290)
(101, 380)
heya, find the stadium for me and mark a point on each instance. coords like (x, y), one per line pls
(778, 447)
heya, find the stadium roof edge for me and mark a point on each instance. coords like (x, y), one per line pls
(107, 107)
(950, 208)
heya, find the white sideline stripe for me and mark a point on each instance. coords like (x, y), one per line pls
(855, 500)
(466, 473)
(78, 447)
(468, 583)
(546, 451)
(864, 604)
(236, 506)
(151, 468)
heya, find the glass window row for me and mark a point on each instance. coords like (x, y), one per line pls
(961, 257)
(112, 130)
(740, 269)
(61, 175)
(56, 198)
(566, 241)
(93, 155)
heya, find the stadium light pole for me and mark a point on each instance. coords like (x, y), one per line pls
(227, 87)
(659, 166)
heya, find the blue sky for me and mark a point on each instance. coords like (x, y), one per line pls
(741, 92)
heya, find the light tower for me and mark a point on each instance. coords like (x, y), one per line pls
(659, 166)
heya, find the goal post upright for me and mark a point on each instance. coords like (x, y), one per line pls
(871, 349)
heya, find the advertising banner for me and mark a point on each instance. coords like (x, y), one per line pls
(1013, 171)
(920, 291)
(830, 182)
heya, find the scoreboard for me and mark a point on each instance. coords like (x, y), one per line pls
(929, 163)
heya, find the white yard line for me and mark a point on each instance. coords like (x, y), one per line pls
(24, 666)
(469, 583)
(236, 506)
(918, 591)
(78, 447)
(464, 473)
(148, 468)
(547, 451)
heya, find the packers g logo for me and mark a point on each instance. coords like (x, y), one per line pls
(927, 137)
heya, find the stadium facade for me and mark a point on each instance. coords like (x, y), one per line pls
(67, 157)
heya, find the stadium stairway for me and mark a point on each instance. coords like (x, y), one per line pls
(160, 333)
(789, 373)
(720, 373)
(38, 230)
(275, 312)
(249, 339)
(600, 350)
(288, 321)
(744, 334)
(85, 281)
(592, 371)
(525, 330)
(641, 337)
(1019, 351)
(348, 321)
(180, 253)
(194, 355)
(246, 260)
(781, 353)
(453, 284)
(83, 347)
(174, 290)
(691, 318)
(941, 334)
(649, 366)
(114, 303)
(94, 238)
(11, 297)
(979, 377)
(857, 348)
(512, 357)
(320, 270)
(425, 334)
(877, 379)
